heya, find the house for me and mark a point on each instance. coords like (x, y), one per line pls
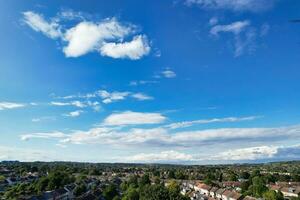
(203, 188)
(275, 187)
(70, 190)
(212, 192)
(59, 194)
(249, 198)
(219, 193)
(290, 191)
(235, 196)
(87, 196)
(226, 195)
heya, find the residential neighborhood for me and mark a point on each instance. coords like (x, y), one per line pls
(68, 181)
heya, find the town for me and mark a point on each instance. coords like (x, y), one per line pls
(67, 180)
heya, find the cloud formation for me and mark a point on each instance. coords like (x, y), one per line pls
(207, 121)
(134, 50)
(106, 37)
(10, 105)
(233, 5)
(37, 22)
(75, 113)
(51, 135)
(106, 96)
(244, 35)
(164, 156)
(133, 118)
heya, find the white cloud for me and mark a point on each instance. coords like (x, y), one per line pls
(234, 5)
(10, 105)
(78, 104)
(235, 27)
(244, 35)
(75, 113)
(142, 82)
(112, 97)
(260, 153)
(134, 118)
(134, 49)
(168, 73)
(45, 118)
(51, 135)
(26, 154)
(38, 23)
(88, 36)
(164, 156)
(207, 121)
(251, 153)
(141, 96)
(161, 137)
(106, 36)
(213, 21)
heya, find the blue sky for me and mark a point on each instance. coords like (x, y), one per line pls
(179, 81)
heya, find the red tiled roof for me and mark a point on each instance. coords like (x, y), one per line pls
(227, 193)
(235, 195)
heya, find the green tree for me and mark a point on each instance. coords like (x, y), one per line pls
(258, 187)
(154, 192)
(110, 192)
(273, 195)
(80, 189)
(131, 194)
(144, 180)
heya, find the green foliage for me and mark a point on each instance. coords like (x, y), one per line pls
(258, 187)
(110, 192)
(171, 174)
(154, 192)
(80, 189)
(131, 194)
(144, 180)
(2, 178)
(245, 175)
(272, 195)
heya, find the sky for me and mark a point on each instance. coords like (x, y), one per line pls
(174, 81)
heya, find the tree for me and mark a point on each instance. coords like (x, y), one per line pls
(2, 178)
(273, 195)
(244, 186)
(171, 174)
(154, 192)
(80, 189)
(131, 194)
(245, 175)
(258, 187)
(110, 192)
(144, 180)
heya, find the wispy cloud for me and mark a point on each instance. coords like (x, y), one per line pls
(141, 96)
(233, 5)
(235, 27)
(134, 118)
(10, 105)
(78, 104)
(142, 82)
(37, 22)
(75, 113)
(161, 157)
(163, 137)
(44, 118)
(51, 135)
(89, 36)
(208, 121)
(106, 96)
(244, 35)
